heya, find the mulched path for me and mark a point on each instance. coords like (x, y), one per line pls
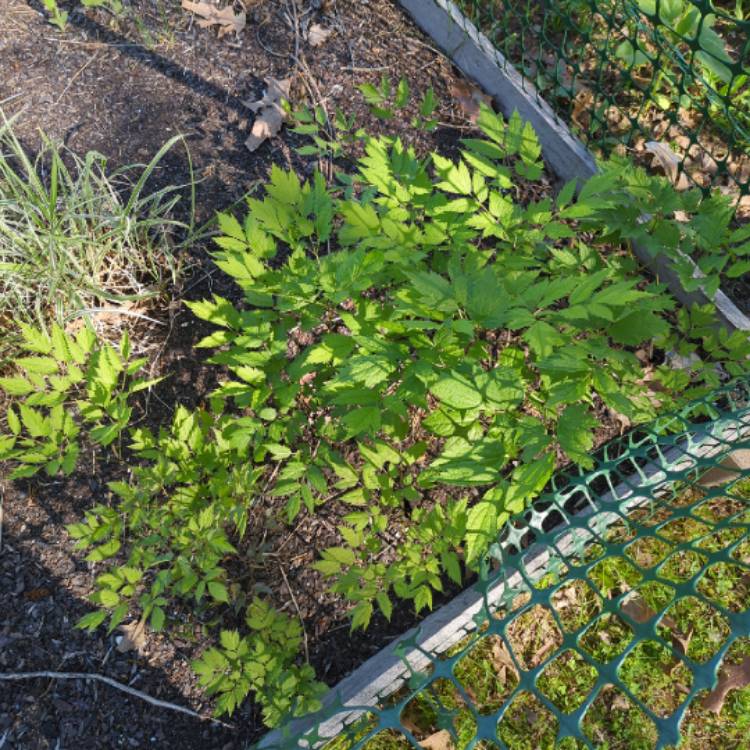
(123, 87)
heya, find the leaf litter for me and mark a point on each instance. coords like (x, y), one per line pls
(269, 112)
(209, 15)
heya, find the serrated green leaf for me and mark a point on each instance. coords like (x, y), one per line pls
(16, 386)
(574, 432)
(218, 591)
(457, 391)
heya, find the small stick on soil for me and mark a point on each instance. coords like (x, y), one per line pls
(72, 80)
(299, 613)
(112, 683)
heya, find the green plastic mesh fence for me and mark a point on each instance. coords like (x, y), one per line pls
(626, 73)
(613, 613)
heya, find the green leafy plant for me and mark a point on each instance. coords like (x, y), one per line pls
(261, 662)
(330, 137)
(418, 349)
(176, 513)
(374, 373)
(59, 17)
(384, 102)
(641, 207)
(62, 382)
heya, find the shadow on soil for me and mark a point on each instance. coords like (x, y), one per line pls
(42, 595)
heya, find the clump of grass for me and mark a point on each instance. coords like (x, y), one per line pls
(75, 237)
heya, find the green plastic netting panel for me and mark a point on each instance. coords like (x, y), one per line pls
(610, 609)
(632, 71)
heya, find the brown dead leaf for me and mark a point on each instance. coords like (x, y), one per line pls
(637, 609)
(469, 98)
(317, 34)
(665, 158)
(543, 650)
(583, 102)
(269, 113)
(731, 677)
(669, 161)
(225, 18)
(620, 702)
(441, 740)
(133, 638)
(502, 662)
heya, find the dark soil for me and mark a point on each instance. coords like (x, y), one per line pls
(123, 87)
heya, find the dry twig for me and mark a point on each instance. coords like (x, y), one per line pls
(8, 676)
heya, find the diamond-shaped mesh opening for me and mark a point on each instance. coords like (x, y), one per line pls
(719, 540)
(649, 515)
(648, 599)
(684, 496)
(695, 628)
(533, 636)
(567, 680)
(719, 508)
(614, 721)
(355, 729)
(682, 566)
(606, 638)
(527, 724)
(614, 576)
(728, 585)
(683, 530)
(647, 551)
(488, 674)
(439, 708)
(741, 552)
(656, 677)
(722, 719)
(388, 739)
(576, 604)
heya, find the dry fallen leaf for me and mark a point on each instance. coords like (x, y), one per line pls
(441, 740)
(731, 676)
(669, 161)
(637, 609)
(469, 98)
(210, 15)
(133, 638)
(665, 157)
(583, 103)
(317, 34)
(503, 662)
(269, 113)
